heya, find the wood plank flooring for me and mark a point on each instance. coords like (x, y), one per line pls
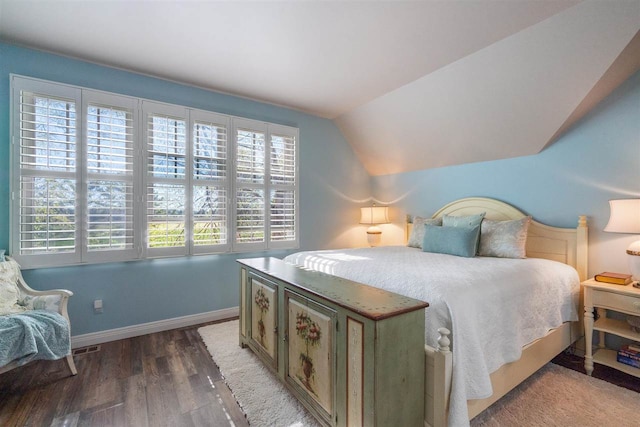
(161, 379)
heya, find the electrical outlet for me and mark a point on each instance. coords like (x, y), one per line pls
(97, 306)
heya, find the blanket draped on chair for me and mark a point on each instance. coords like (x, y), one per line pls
(35, 334)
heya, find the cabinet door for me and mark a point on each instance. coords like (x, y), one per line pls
(309, 355)
(264, 318)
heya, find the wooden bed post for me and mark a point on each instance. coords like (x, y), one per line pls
(439, 369)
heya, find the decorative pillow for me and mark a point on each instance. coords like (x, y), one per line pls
(9, 292)
(469, 221)
(504, 239)
(417, 232)
(460, 241)
(42, 302)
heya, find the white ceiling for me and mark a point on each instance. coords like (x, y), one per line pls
(442, 70)
(506, 100)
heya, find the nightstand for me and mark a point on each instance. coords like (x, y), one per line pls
(604, 296)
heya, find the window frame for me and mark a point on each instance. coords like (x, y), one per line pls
(16, 172)
(140, 109)
(96, 97)
(268, 129)
(224, 121)
(149, 108)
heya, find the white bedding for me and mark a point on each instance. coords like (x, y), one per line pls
(493, 306)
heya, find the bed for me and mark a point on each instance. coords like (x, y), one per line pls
(459, 385)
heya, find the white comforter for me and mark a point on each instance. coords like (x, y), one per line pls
(493, 306)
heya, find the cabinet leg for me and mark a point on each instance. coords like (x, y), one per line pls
(588, 339)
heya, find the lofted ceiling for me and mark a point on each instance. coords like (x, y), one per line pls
(412, 85)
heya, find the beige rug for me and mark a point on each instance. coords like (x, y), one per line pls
(554, 396)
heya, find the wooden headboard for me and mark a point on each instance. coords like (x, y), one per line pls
(566, 245)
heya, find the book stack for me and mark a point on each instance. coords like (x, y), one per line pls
(630, 355)
(615, 278)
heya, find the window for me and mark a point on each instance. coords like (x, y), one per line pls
(210, 182)
(45, 149)
(166, 179)
(266, 186)
(108, 180)
(103, 177)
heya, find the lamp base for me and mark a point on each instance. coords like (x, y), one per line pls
(374, 236)
(633, 253)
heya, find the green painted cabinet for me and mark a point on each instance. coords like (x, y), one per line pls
(352, 354)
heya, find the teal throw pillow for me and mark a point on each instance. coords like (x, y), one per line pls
(460, 241)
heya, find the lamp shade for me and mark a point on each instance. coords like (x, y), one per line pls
(374, 215)
(624, 217)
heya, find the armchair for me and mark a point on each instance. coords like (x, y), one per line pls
(19, 306)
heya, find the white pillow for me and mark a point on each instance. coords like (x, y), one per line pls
(9, 292)
(504, 239)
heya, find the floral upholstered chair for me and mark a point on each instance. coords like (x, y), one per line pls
(33, 324)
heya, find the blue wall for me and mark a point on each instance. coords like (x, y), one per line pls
(332, 180)
(573, 176)
(597, 160)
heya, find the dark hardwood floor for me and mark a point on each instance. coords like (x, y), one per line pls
(161, 379)
(602, 372)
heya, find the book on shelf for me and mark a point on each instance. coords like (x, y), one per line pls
(634, 347)
(628, 361)
(614, 278)
(626, 352)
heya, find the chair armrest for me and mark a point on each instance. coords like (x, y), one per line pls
(34, 293)
(52, 300)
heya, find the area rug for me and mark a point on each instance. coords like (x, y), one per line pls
(553, 396)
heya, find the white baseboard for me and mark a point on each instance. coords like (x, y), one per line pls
(94, 338)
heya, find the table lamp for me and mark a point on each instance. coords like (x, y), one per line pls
(625, 218)
(374, 215)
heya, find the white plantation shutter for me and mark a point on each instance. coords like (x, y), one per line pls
(165, 213)
(283, 186)
(166, 176)
(250, 156)
(250, 189)
(210, 182)
(110, 180)
(45, 146)
(250, 221)
(98, 177)
(265, 186)
(48, 215)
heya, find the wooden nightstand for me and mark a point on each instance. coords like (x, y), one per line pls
(605, 296)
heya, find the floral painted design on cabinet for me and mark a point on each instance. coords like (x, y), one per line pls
(262, 304)
(310, 332)
(310, 352)
(263, 317)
